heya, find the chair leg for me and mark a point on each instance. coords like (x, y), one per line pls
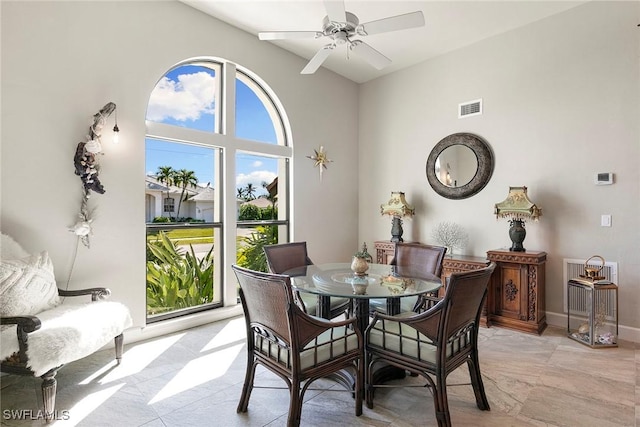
(440, 400)
(368, 383)
(248, 385)
(49, 384)
(359, 385)
(119, 344)
(295, 404)
(476, 382)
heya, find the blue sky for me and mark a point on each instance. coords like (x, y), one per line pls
(185, 97)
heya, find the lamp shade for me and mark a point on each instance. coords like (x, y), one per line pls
(397, 206)
(517, 206)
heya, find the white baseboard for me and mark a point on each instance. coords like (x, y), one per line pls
(165, 327)
(626, 333)
(170, 326)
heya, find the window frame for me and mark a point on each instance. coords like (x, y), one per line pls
(228, 145)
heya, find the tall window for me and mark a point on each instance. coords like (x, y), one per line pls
(221, 153)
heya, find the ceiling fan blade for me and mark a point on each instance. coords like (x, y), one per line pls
(393, 23)
(335, 10)
(281, 35)
(317, 59)
(369, 54)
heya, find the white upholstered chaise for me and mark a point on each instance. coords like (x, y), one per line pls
(39, 333)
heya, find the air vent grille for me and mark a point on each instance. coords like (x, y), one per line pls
(470, 108)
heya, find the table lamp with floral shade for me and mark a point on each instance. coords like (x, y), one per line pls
(518, 208)
(397, 208)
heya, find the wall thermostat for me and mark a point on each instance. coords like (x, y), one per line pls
(604, 178)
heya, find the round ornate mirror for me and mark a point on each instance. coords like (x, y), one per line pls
(459, 166)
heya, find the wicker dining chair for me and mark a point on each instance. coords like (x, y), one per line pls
(293, 345)
(285, 256)
(434, 343)
(426, 259)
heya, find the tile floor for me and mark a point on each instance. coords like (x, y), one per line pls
(194, 378)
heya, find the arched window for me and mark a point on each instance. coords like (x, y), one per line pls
(217, 184)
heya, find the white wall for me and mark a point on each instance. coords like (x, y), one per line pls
(561, 103)
(62, 61)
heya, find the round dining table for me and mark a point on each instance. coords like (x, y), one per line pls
(381, 281)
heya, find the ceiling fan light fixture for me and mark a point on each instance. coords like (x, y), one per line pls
(340, 38)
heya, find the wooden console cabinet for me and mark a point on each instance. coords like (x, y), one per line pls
(461, 263)
(451, 264)
(385, 250)
(516, 297)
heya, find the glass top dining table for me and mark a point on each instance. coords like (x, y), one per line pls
(381, 281)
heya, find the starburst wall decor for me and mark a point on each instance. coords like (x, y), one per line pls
(321, 160)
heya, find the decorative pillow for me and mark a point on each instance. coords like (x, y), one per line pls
(10, 249)
(27, 286)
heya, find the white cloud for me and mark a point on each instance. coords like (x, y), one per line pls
(256, 164)
(187, 99)
(256, 178)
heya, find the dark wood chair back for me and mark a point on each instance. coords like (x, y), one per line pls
(265, 300)
(285, 256)
(462, 302)
(425, 257)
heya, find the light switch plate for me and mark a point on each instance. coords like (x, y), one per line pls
(605, 220)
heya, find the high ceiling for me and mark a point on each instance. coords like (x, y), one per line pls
(449, 25)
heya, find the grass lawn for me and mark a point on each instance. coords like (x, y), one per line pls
(184, 236)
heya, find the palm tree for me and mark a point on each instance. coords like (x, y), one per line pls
(184, 178)
(240, 194)
(165, 175)
(249, 190)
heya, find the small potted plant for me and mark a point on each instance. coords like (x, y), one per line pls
(360, 261)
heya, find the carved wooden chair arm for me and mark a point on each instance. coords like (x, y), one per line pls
(26, 323)
(96, 293)
(310, 327)
(425, 322)
(425, 302)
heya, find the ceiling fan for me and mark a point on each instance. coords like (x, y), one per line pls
(341, 27)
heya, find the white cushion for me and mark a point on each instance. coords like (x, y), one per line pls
(69, 332)
(10, 249)
(27, 285)
(408, 345)
(327, 346)
(406, 340)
